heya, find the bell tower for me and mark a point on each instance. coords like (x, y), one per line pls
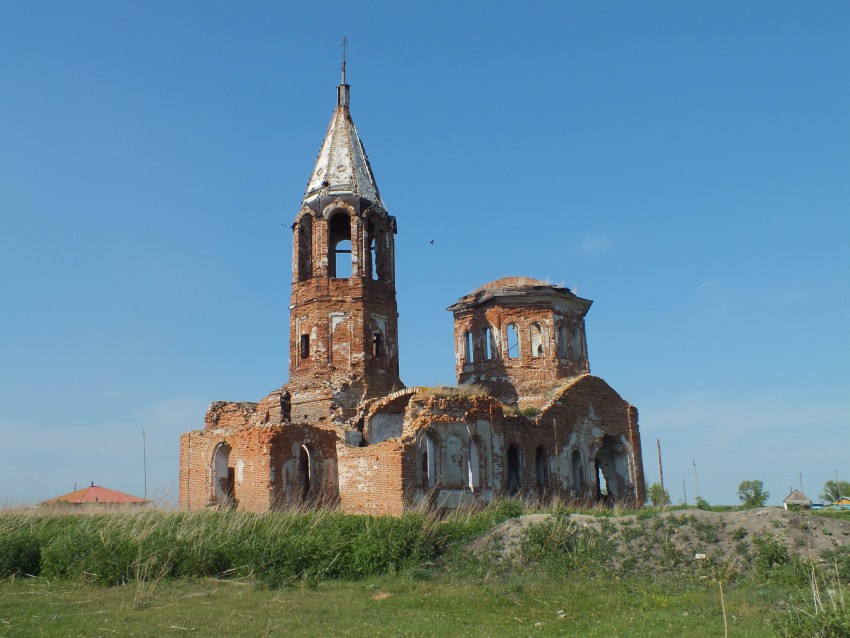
(343, 344)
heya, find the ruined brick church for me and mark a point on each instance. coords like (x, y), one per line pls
(527, 417)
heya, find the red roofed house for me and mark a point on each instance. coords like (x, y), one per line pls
(95, 494)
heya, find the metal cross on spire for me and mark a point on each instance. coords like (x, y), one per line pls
(344, 43)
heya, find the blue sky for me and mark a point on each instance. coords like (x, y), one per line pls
(684, 165)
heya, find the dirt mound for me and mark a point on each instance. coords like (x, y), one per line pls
(673, 538)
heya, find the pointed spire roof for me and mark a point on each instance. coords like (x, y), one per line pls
(342, 167)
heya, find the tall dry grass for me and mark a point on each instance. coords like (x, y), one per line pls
(271, 549)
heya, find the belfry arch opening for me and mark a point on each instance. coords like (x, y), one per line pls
(377, 267)
(371, 253)
(339, 246)
(305, 248)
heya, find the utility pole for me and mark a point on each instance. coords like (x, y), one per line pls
(837, 485)
(696, 478)
(685, 490)
(145, 460)
(661, 473)
(801, 483)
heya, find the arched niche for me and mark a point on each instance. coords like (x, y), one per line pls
(453, 466)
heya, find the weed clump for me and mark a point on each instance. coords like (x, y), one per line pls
(822, 611)
(563, 546)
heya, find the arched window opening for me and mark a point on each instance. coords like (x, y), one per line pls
(304, 346)
(577, 472)
(429, 462)
(339, 242)
(377, 345)
(224, 477)
(577, 344)
(474, 466)
(563, 346)
(454, 465)
(514, 474)
(305, 248)
(306, 471)
(468, 355)
(513, 341)
(602, 493)
(542, 466)
(487, 337)
(536, 340)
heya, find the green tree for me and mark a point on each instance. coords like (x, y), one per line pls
(659, 497)
(752, 493)
(833, 490)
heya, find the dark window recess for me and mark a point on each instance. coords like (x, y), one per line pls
(305, 346)
(377, 345)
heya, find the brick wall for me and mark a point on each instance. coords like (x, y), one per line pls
(371, 479)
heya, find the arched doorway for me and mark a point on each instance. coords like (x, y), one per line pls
(514, 470)
(577, 472)
(541, 462)
(611, 463)
(307, 472)
(224, 477)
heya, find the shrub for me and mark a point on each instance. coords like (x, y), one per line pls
(769, 552)
(20, 553)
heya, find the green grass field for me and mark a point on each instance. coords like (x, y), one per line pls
(393, 605)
